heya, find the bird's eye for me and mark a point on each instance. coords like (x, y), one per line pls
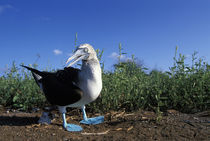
(86, 50)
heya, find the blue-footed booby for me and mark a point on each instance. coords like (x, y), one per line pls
(72, 87)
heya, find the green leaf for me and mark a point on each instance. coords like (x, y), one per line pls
(15, 98)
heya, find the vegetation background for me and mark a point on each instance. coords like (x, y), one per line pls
(186, 87)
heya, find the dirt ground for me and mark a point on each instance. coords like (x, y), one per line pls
(140, 125)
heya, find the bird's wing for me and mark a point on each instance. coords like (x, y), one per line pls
(68, 75)
(59, 87)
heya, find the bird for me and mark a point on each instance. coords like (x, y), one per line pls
(73, 87)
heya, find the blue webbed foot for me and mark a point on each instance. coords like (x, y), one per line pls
(95, 120)
(73, 128)
(70, 127)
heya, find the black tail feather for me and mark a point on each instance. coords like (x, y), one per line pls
(36, 74)
(33, 70)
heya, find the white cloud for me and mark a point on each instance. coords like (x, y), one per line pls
(4, 8)
(116, 56)
(188, 55)
(57, 52)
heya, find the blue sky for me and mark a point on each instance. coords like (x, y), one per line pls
(149, 29)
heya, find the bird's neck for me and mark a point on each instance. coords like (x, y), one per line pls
(91, 68)
(90, 80)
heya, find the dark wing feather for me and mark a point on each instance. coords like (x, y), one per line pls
(59, 87)
(36, 74)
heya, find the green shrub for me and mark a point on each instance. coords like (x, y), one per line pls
(18, 90)
(185, 87)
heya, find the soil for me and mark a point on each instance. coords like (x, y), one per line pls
(140, 125)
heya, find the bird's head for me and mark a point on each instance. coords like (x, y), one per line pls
(83, 52)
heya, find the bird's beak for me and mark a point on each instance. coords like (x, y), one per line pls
(77, 56)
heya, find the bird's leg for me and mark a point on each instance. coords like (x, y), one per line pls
(84, 113)
(95, 120)
(70, 127)
(64, 120)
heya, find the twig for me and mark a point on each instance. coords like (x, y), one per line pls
(118, 129)
(102, 133)
(130, 128)
(118, 115)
